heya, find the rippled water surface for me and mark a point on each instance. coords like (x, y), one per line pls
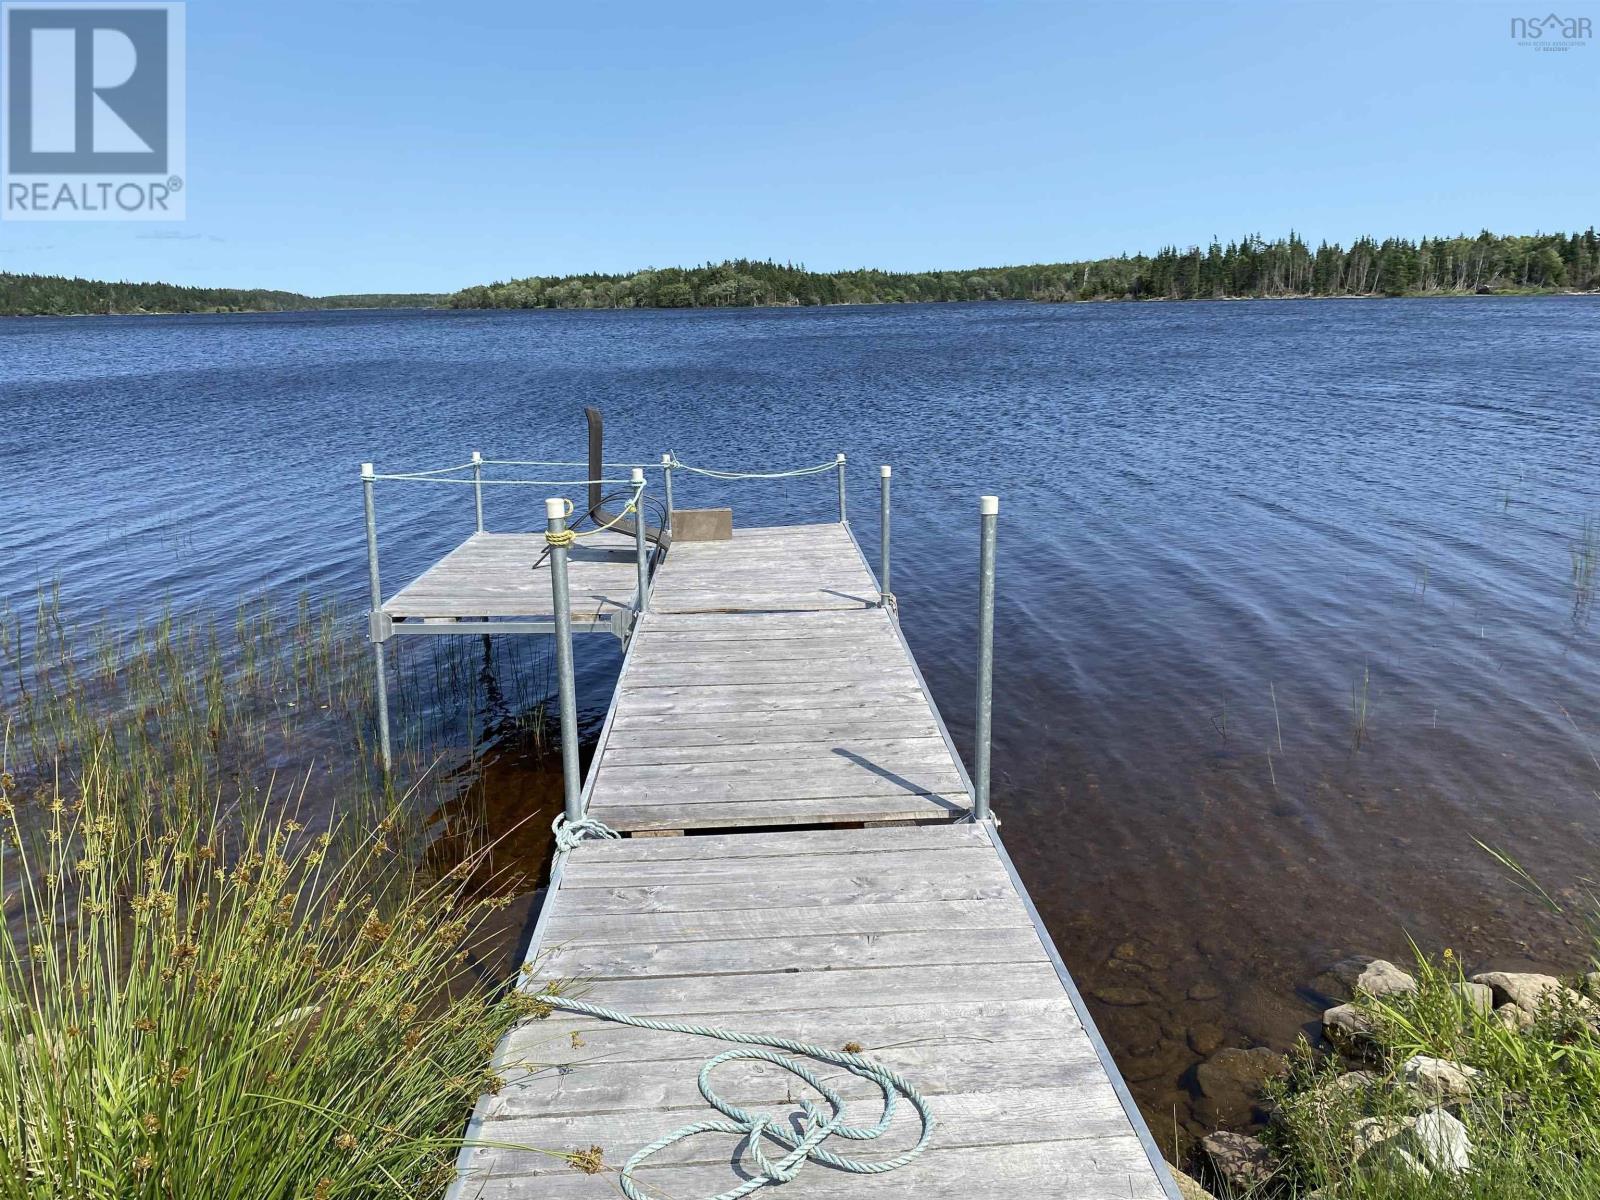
(1294, 597)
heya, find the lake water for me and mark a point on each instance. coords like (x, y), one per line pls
(1294, 596)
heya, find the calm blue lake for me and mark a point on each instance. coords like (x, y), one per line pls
(1294, 596)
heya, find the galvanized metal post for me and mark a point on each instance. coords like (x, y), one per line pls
(640, 547)
(378, 657)
(989, 511)
(840, 461)
(883, 533)
(555, 515)
(477, 485)
(666, 479)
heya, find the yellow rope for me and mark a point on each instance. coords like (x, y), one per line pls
(568, 536)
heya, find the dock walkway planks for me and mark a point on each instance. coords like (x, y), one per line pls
(915, 943)
(767, 688)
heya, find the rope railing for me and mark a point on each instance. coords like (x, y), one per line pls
(678, 464)
(426, 477)
(536, 462)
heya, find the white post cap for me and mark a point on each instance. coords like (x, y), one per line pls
(555, 508)
(666, 460)
(989, 506)
(884, 471)
(476, 457)
(638, 475)
(839, 457)
(366, 470)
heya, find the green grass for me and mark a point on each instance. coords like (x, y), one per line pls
(1533, 1118)
(216, 981)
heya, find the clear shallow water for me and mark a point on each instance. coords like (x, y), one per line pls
(1227, 531)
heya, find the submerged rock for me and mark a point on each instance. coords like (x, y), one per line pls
(1205, 1038)
(1339, 981)
(1241, 1162)
(1122, 996)
(1231, 1081)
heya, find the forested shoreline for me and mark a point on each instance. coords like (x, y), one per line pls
(1248, 268)
(58, 295)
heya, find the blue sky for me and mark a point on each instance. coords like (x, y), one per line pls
(404, 146)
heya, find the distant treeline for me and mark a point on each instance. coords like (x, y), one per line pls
(56, 295)
(1249, 267)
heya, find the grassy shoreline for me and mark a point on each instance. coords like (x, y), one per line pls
(213, 981)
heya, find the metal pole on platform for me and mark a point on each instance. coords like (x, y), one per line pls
(883, 533)
(640, 548)
(555, 515)
(378, 658)
(666, 479)
(840, 461)
(989, 512)
(477, 485)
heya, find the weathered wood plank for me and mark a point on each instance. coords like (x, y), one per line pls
(884, 1032)
(610, 928)
(666, 649)
(1107, 1168)
(828, 669)
(638, 731)
(763, 625)
(830, 843)
(807, 697)
(833, 810)
(590, 1081)
(865, 888)
(824, 870)
(845, 988)
(700, 786)
(627, 751)
(796, 954)
(990, 1117)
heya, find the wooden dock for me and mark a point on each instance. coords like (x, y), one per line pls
(768, 686)
(492, 575)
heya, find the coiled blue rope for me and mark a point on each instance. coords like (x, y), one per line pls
(816, 1127)
(570, 833)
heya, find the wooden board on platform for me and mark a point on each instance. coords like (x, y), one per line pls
(914, 944)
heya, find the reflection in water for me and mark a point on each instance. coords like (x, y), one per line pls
(1294, 596)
